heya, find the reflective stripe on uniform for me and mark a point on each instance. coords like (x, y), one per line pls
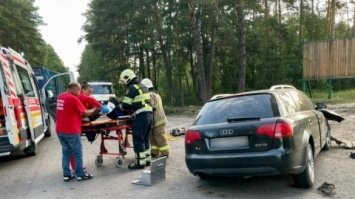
(144, 109)
(164, 148)
(160, 122)
(154, 147)
(142, 158)
(141, 97)
(148, 157)
(127, 100)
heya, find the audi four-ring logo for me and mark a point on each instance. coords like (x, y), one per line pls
(226, 132)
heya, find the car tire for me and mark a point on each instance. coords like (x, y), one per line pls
(30, 150)
(328, 140)
(306, 178)
(203, 176)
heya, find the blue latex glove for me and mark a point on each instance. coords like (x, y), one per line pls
(104, 109)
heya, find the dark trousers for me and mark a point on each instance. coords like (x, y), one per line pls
(141, 126)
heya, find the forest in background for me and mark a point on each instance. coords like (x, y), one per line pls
(19, 23)
(193, 49)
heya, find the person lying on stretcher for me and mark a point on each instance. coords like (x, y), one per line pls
(115, 111)
(112, 111)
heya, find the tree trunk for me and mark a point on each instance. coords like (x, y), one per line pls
(300, 36)
(164, 51)
(266, 11)
(241, 43)
(155, 71)
(141, 60)
(209, 69)
(196, 28)
(332, 22)
(279, 12)
(148, 63)
(193, 73)
(353, 29)
(331, 18)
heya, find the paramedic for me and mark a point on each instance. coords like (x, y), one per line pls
(89, 103)
(158, 141)
(136, 101)
(68, 127)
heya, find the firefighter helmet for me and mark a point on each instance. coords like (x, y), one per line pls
(127, 76)
(147, 83)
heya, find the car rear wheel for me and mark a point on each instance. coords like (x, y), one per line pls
(203, 176)
(306, 178)
(30, 150)
(328, 140)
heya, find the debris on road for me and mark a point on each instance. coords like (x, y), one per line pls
(346, 143)
(352, 155)
(328, 189)
(177, 132)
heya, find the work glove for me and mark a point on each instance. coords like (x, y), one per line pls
(104, 109)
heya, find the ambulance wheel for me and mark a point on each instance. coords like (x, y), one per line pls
(48, 131)
(31, 150)
(119, 162)
(99, 161)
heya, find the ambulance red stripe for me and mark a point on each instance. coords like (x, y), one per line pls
(18, 60)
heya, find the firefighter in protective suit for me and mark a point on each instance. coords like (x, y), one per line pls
(158, 141)
(137, 101)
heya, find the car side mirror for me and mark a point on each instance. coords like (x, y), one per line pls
(49, 94)
(321, 106)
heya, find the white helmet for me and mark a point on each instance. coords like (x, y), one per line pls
(127, 76)
(147, 83)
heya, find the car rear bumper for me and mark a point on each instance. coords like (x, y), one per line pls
(272, 162)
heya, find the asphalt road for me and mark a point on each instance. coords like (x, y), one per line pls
(40, 176)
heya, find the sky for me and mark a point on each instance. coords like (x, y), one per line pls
(64, 20)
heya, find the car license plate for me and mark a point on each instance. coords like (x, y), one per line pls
(229, 142)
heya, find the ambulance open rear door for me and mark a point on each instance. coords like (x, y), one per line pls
(9, 134)
(30, 97)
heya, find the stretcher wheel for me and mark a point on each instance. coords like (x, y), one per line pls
(119, 162)
(99, 161)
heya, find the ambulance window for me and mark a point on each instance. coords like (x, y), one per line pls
(16, 80)
(26, 82)
(6, 89)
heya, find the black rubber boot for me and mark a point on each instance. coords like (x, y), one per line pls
(139, 163)
(136, 166)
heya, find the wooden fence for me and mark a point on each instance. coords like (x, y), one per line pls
(331, 59)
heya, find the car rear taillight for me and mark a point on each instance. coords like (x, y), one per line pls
(267, 130)
(192, 136)
(281, 129)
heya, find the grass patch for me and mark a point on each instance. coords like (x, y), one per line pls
(182, 110)
(337, 97)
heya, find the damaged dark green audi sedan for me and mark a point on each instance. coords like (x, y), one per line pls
(266, 132)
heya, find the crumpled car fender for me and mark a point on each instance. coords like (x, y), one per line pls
(331, 115)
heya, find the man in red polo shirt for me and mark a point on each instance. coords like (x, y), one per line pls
(85, 98)
(89, 103)
(68, 126)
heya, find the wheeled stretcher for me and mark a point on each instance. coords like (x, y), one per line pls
(108, 129)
